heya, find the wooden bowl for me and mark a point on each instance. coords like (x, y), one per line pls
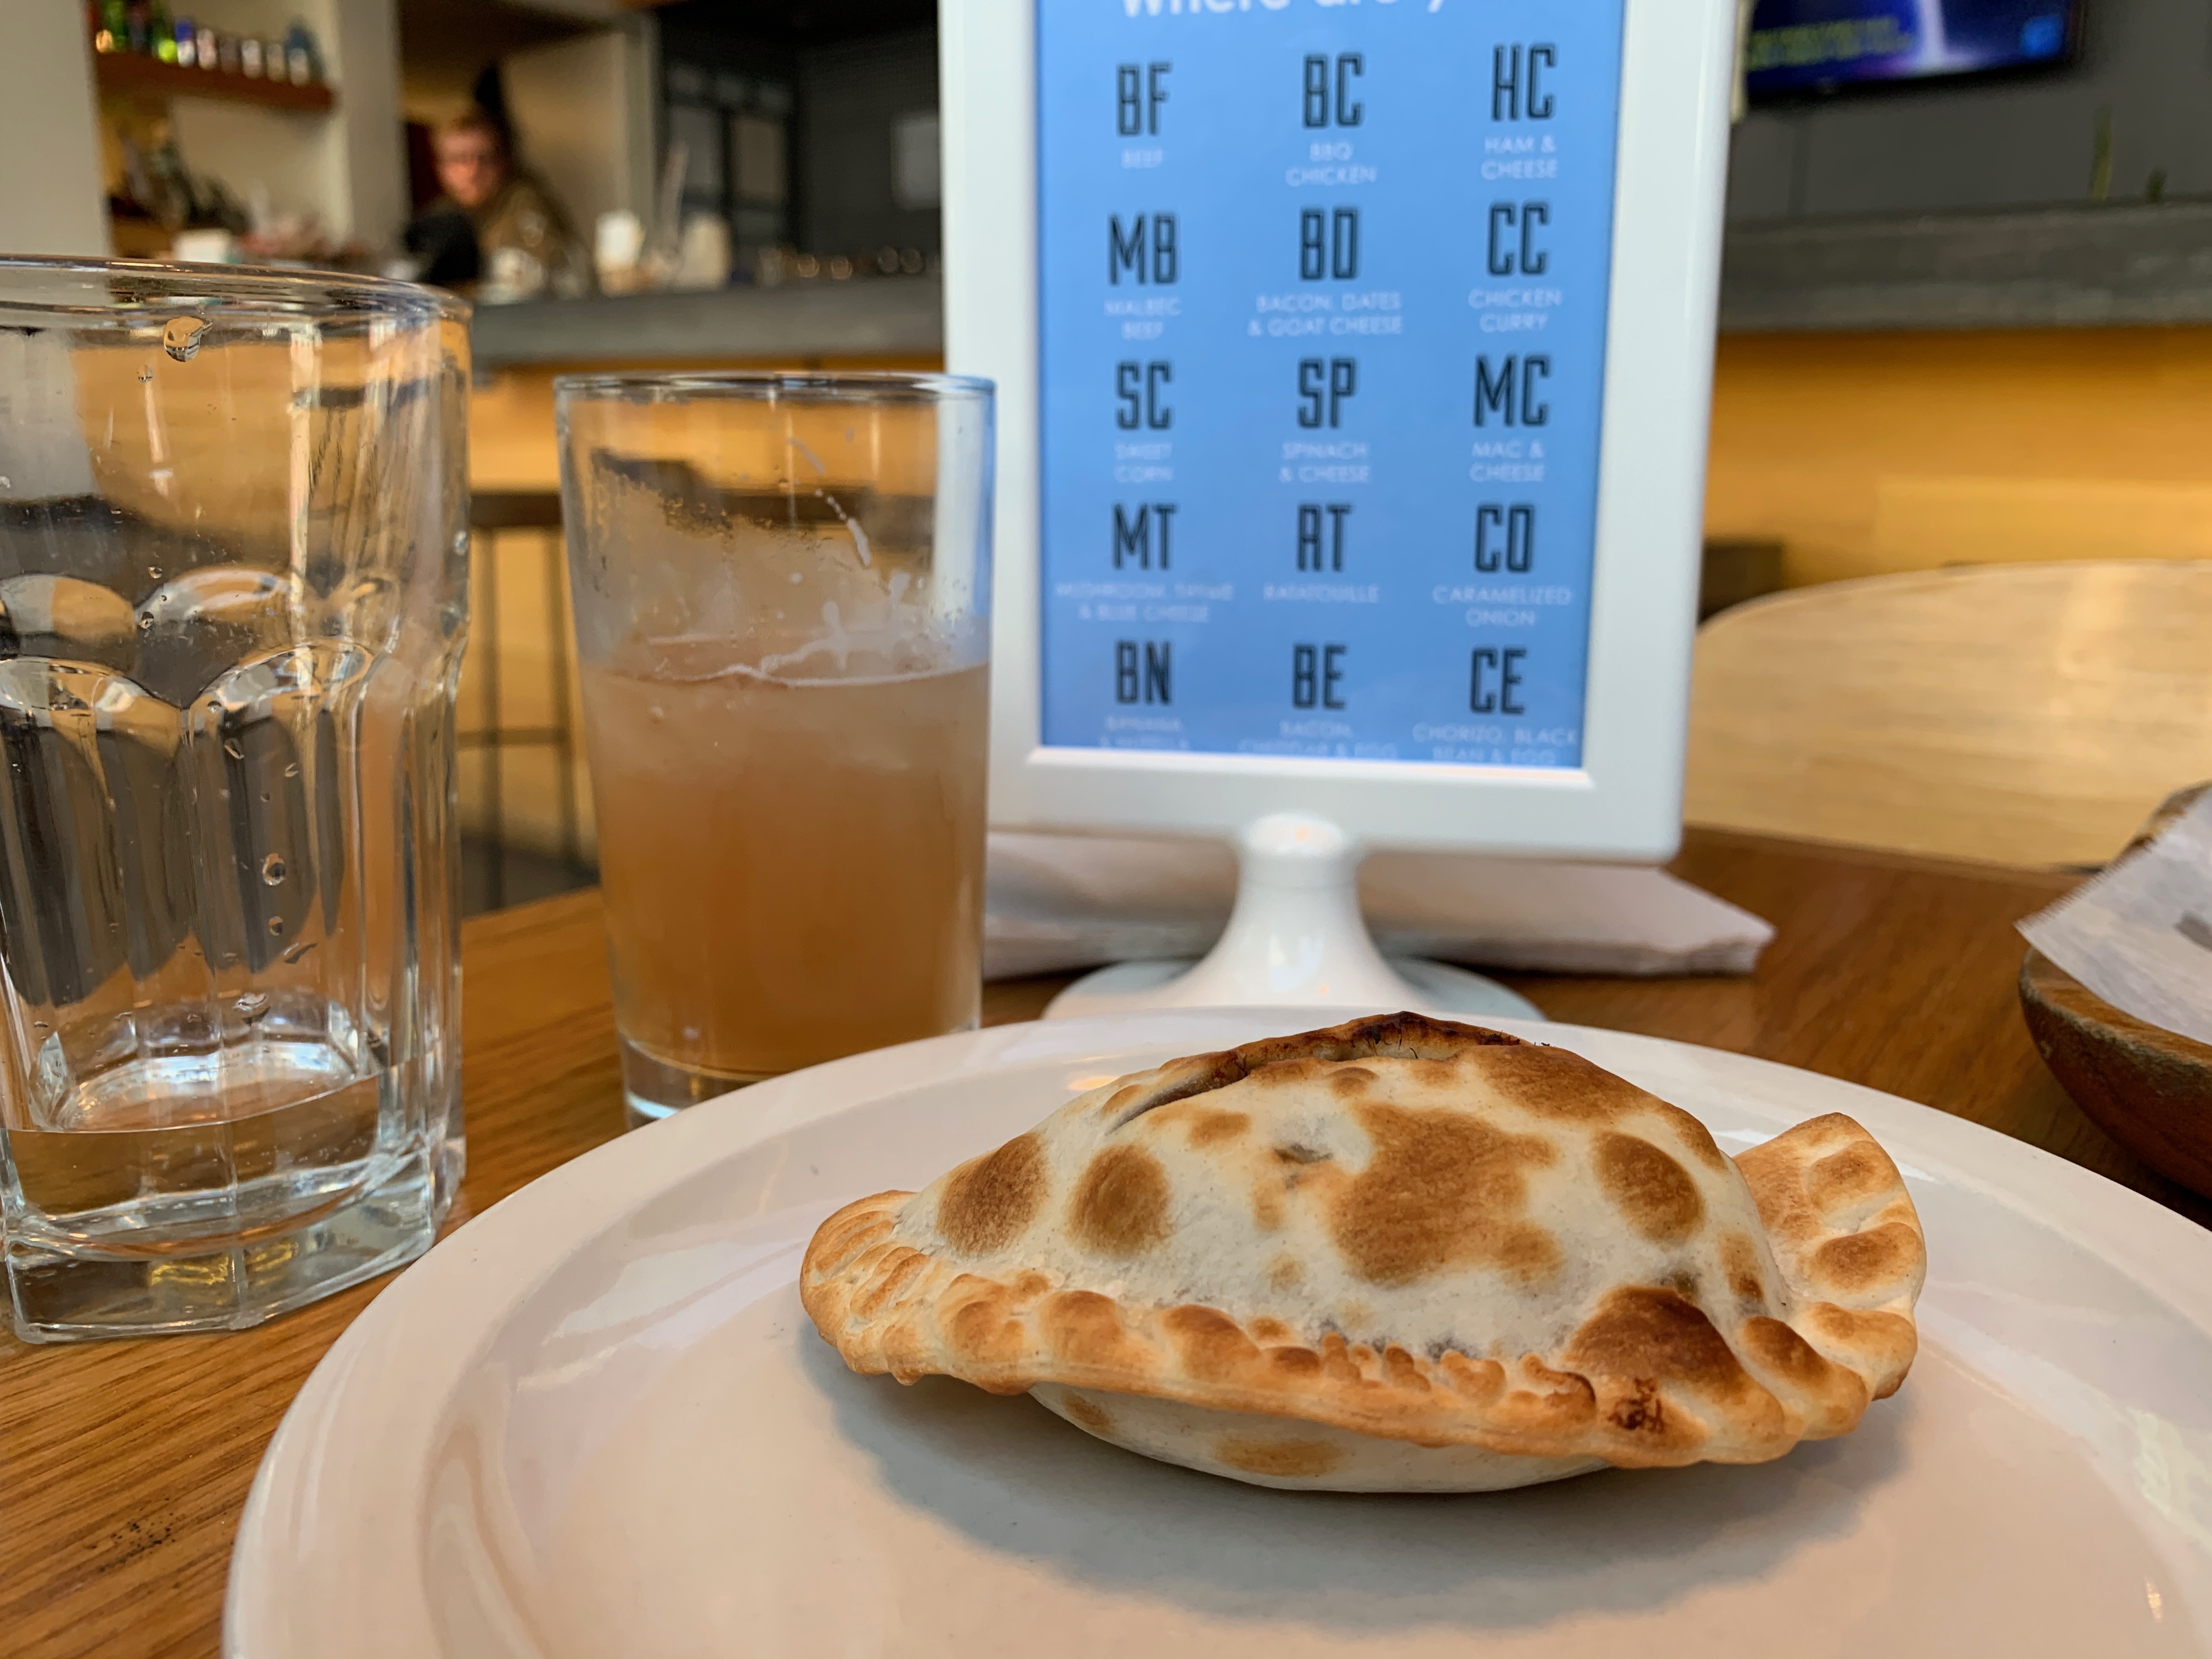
(2148, 1089)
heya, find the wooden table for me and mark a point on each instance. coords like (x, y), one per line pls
(124, 1466)
(2031, 714)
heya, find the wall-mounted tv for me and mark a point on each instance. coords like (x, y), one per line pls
(1815, 45)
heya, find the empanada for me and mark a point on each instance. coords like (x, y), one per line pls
(1397, 1255)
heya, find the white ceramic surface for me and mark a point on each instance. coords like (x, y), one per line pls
(1296, 939)
(596, 1422)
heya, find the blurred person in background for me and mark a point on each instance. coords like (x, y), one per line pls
(523, 244)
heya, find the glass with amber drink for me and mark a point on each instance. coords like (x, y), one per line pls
(782, 587)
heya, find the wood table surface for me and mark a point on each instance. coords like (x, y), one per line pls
(124, 1466)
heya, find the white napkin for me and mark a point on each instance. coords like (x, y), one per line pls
(1059, 902)
(2140, 935)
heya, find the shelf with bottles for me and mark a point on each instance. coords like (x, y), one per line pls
(138, 48)
(128, 72)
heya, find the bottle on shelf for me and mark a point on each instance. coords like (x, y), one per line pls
(302, 60)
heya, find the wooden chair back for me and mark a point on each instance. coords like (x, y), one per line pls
(2025, 714)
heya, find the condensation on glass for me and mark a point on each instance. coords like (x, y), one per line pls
(233, 600)
(782, 588)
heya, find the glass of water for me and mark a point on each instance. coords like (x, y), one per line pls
(233, 597)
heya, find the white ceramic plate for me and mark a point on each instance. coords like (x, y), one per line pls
(596, 1422)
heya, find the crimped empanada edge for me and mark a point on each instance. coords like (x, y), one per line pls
(1846, 1236)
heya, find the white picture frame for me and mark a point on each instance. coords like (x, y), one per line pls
(1624, 801)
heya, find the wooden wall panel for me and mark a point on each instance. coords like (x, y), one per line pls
(511, 415)
(1862, 453)
(1868, 453)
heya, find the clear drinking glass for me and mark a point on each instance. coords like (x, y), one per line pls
(232, 597)
(782, 586)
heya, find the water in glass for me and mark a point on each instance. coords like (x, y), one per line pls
(232, 601)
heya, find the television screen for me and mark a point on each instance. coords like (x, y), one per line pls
(1802, 46)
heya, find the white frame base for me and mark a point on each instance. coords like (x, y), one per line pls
(1296, 939)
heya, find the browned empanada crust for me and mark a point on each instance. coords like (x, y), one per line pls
(1405, 1229)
